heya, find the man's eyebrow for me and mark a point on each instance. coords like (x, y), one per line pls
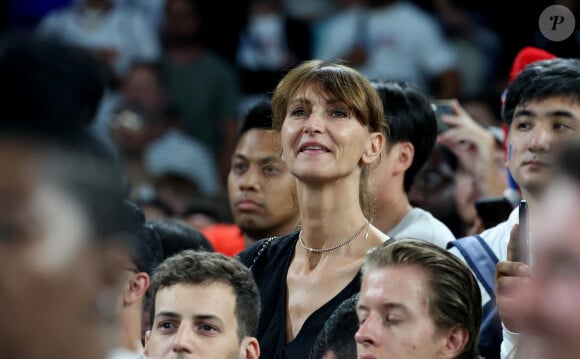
(555, 113)
(168, 314)
(561, 113)
(524, 112)
(386, 305)
(208, 317)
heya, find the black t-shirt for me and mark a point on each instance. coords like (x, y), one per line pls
(270, 271)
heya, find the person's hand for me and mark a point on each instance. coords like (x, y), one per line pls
(511, 277)
(475, 147)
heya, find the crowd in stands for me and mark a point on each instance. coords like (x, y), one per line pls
(275, 179)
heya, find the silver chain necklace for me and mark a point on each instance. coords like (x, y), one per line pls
(347, 241)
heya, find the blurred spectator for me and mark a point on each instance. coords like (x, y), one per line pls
(478, 46)
(160, 160)
(481, 170)
(392, 39)
(152, 10)
(204, 86)
(112, 33)
(154, 208)
(61, 210)
(48, 84)
(263, 53)
(301, 17)
(434, 188)
(180, 169)
(26, 14)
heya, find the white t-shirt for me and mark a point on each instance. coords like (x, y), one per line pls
(421, 224)
(497, 238)
(125, 31)
(403, 42)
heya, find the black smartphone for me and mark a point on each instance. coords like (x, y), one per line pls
(524, 233)
(442, 107)
(493, 210)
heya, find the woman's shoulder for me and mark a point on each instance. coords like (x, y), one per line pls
(267, 247)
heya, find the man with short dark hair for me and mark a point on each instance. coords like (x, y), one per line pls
(542, 111)
(413, 130)
(205, 305)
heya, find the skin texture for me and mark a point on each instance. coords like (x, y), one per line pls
(261, 189)
(394, 316)
(50, 271)
(304, 124)
(537, 129)
(197, 321)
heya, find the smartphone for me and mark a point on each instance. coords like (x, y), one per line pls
(493, 210)
(442, 107)
(524, 233)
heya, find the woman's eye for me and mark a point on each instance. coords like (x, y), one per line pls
(297, 112)
(339, 113)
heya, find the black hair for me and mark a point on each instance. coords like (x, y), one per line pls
(143, 241)
(337, 335)
(51, 92)
(209, 206)
(259, 116)
(177, 235)
(411, 118)
(541, 80)
(155, 202)
(48, 85)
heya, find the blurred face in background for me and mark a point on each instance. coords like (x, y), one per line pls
(181, 21)
(261, 189)
(434, 186)
(550, 303)
(50, 269)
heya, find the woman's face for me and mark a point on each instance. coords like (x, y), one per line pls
(49, 272)
(322, 140)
